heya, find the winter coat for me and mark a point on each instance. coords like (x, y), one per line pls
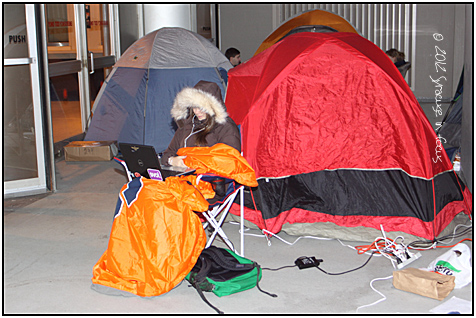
(207, 96)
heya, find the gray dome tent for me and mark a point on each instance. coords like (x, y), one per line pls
(134, 102)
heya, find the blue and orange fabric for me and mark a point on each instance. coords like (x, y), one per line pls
(156, 237)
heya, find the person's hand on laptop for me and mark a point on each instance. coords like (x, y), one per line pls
(177, 161)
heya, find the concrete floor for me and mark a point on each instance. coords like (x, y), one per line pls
(52, 242)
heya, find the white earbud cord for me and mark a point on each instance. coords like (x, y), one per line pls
(192, 132)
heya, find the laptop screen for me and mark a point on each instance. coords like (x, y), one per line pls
(139, 158)
(143, 160)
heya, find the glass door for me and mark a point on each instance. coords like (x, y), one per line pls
(23, 145)
(81, 50)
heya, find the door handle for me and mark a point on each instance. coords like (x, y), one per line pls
(91, 55)
(19, 61)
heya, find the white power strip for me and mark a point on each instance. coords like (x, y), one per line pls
(409, 260)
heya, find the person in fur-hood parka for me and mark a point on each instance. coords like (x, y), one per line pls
(203, 121)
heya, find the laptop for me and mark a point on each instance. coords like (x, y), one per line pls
(143, 160)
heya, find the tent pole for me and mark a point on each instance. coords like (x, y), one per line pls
(145, 104)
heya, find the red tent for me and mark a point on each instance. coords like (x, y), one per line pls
(335, 135)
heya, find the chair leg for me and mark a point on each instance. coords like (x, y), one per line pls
(223, 210)
(217, 230)
(242, 227)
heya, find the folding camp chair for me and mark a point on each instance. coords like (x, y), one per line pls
(217, 209)
(221, 208)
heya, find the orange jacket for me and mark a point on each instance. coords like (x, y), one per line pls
(222, 160)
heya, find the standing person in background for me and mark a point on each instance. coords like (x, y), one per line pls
(205, 122)
(233, 55)
(398, 59)
(396, 56)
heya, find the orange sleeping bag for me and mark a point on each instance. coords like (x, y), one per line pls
(156, 237)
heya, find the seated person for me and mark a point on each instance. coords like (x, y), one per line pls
(203, 122)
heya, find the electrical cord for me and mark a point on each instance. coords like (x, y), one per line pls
(375, 290)
(394, 250)
(433, 245)
(427, 244)
(317, 266)
(351, 270)
(279, 268)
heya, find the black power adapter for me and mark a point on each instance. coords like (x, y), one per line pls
(306, 262)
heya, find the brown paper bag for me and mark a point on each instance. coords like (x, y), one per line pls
(424, 283)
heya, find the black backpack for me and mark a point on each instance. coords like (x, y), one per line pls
(223, 272)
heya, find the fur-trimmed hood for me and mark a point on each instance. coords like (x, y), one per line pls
(205, 95)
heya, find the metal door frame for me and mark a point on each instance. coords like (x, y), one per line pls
(38, 184)
(82, 64)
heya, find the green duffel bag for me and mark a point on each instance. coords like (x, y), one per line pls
(223, 272)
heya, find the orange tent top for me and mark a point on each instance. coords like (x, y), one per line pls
(314, 17)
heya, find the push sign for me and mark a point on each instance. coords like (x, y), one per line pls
(16, 39)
